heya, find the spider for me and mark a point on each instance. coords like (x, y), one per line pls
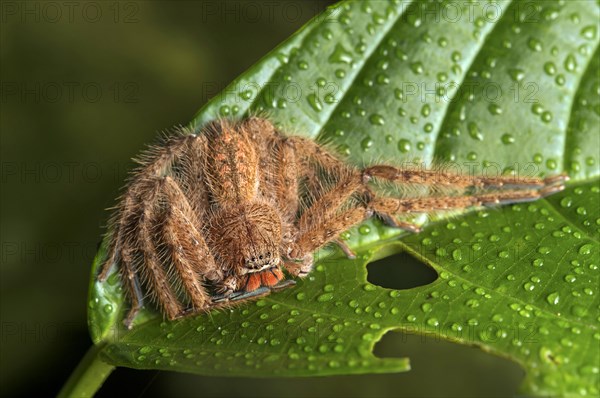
(212, 219)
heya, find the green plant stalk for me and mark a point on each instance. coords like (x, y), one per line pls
(88, 376)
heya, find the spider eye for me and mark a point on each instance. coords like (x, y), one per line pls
(268, 254)
(260, 257)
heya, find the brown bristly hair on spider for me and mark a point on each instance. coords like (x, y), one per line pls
(212, 219)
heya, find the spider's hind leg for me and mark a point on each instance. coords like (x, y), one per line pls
(441, 178)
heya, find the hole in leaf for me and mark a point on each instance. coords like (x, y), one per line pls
(458, 370)
(400, 271)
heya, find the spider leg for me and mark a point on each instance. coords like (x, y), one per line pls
(344, 247)
(139, 256)
(447, 179)
(224, 300)
(327, 230)
(392, 222)
(133, 241)
(156, 161)
(131, 283)
(152, 268)
(330, 202)
(390, 206)
(116, 239)
(187, 248)
(241, 296)
(279, 175)
(309, 151)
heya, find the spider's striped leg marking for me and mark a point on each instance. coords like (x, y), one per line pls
(425, 205)
(454, 180)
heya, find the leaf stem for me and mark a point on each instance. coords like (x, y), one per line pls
(88, 376)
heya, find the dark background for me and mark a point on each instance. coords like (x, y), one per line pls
(84, 86)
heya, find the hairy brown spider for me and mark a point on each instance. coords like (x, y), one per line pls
(211, 219)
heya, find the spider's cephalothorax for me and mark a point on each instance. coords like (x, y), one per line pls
(211, 219)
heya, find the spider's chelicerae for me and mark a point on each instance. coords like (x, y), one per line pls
(212, 219)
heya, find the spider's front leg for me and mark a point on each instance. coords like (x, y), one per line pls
(155, 238)
(134, 246)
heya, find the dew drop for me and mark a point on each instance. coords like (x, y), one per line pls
(340, 55)
(246, 94)
(474, 131)
(377, 119)
(314, 102)
(224, 110)
(546, 117)
(534, 44)
(550, 68)
(495, 109)
(425, 110)
(528, 286)
(589, 32)
(586, 249)
(369, 288)
(325, 297)
(366, 143)
(516, 74)
(457, 255)
(543, 250)
(507, 139)
(404, 145)
(472, 303)
(566, 342)
(364, 230)
(570, 63)
(417, 67)
(330, 99)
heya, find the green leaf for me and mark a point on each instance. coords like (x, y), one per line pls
(489, 88)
